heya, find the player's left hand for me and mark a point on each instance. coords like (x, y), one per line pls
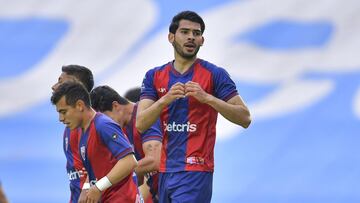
(93, 195)
(194, 89)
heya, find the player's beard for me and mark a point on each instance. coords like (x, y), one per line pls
(179, 49)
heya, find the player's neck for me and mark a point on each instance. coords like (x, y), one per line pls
(129, 108)
(89, 115)
(181, 64)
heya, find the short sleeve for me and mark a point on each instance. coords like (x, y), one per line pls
(153, 133)
(115, 140)
(224, 86)
(148, 90)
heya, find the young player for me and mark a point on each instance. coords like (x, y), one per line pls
(187, 95)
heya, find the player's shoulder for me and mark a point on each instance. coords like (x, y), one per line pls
(211, 66)
(160, 68)
(101, 120)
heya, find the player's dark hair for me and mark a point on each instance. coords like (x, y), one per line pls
(133, 94)
(83, 74)
(186, 15)
(73, 91)
(102, 98)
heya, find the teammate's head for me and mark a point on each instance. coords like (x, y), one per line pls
(76, 73)
(106, 100)
(186, 15)
(71, 100)
(133, 94)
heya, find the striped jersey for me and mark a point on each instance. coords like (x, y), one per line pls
(189, 127)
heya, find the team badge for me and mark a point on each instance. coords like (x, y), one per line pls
(114, 136)
(82, 152)
(66, 143)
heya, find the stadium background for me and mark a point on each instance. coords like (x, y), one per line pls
(296, 64)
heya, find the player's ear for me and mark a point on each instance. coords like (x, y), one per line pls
(115, 106)
(80, 105)
(171, 37)
(202, 41)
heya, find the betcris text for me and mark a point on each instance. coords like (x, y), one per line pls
(179, 127)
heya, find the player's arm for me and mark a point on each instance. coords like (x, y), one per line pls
(151, 161)
(149, 111)
(122, 169)
(233, 110)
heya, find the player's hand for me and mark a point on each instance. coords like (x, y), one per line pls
(83, 196)
(176, 91)
(93, 195)
(194, 89)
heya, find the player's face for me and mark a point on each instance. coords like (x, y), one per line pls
(68, 115)
(63, 78)
(187, 39)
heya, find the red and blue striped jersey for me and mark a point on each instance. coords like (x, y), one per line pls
(73, 162)
(101, 146)
(137, 139)
(189, 126)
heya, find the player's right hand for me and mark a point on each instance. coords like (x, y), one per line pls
(176, 91)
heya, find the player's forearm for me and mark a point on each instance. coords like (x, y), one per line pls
(147, 165)
(122, 169)
(236, 113)
(147, 117)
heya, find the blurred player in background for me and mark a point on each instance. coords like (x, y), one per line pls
(105, 151)
(133, 94)
(147, 145)
(187, 95)
(3, 198)
(75, 169)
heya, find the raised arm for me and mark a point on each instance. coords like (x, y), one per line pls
(233, 110)
(149, 110)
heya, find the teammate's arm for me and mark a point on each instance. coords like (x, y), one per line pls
(151, 161)
(122, 169)
(148, 110)
(233, 110)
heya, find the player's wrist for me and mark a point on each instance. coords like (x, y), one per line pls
(103, 184)
(86, 186)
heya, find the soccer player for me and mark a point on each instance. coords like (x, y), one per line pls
(105, 151)
(75, 169)
(147, 146)
(187, 94)
(3, 198)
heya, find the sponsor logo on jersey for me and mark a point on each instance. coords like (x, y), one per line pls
(195, 160)
(73, 175)
(180, 127)
(162, 90)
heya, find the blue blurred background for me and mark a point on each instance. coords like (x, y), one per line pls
(295, 63)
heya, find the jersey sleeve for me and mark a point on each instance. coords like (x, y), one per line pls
(153, 133)
(224, 86)
(148, 90)
(115, 140)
